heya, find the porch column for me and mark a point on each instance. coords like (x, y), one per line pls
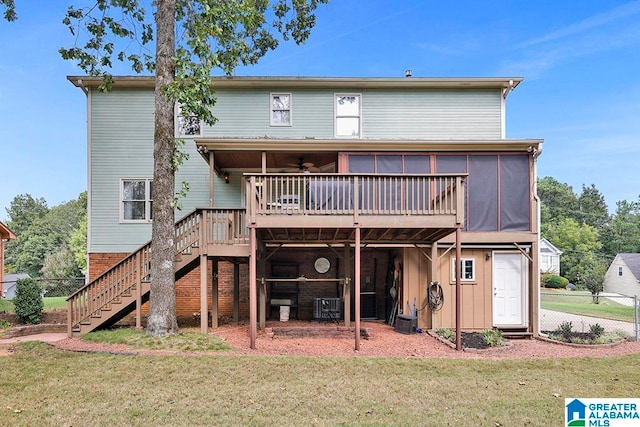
(262, 290)
(204, 306)
(236, 292)
(534, 287)
(434, 277)
(346, 289)
(138, 264)
(214, 294)
(253, 281)
(458, 290)
(357, 287)
(212, 172)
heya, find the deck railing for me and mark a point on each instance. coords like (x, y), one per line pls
(355, 194)
(221, 226)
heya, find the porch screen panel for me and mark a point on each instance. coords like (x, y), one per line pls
(417, 193)
(363, 164)
(515, 198)
(389, 189)
(483, 193)
(453, 164)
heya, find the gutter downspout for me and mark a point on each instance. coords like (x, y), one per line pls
(535, 154)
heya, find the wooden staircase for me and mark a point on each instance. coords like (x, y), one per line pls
(126, 286)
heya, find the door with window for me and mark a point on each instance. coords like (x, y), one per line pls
(509, 289)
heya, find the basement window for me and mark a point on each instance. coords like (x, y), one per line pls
(468, 268)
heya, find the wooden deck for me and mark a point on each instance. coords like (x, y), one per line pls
(283, 209)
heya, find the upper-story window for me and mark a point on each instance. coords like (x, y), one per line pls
(187, 125)
(347, 108)
(280, 109)
(136, 200)
(619, 271)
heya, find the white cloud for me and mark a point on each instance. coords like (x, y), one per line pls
(595, 21)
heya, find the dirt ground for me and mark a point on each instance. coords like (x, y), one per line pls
(385, 342)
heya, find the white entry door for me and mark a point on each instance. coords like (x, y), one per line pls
(509, 289)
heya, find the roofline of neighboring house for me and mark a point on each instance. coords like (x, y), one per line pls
(505, 83)
(344, 145)
(6, 233)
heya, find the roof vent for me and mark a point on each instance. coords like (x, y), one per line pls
(407, 73)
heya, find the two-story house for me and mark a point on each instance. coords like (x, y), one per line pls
(337, 198)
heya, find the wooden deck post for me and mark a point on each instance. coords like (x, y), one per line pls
(458, 290)
(346, 289)
(434, 278)
(262, 289)
(204, 306)
(69, 318)
(236, 292)
(357, 288)
(214, 294)
(138, 264)
(253, 281)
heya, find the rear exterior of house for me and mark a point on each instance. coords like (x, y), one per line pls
(337, 198)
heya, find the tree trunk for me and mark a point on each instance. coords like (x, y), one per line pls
(162, 303)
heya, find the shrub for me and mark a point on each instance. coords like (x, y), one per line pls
(447, 334)
(596, 329)
(564, 329)
(28, 301)
(492, 337)
(554, 281)
(4, 324)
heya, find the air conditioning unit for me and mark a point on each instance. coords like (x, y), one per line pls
(327, 309)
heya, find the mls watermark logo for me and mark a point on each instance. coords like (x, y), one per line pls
(601, 412)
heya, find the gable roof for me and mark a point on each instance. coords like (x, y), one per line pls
(548, 247)
(632, 261)
(5, 233)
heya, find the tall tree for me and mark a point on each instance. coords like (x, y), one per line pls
(24, 210)
(558, 201)
(623, 233)
(213, 34)
(580, 246)
(592, 209)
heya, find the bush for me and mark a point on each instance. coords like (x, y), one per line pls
(554, 281)
(492, 337)
(596, 329)
(28, 301)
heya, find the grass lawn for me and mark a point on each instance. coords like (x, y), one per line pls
(577, 302)
(41, 385)
(50, 303)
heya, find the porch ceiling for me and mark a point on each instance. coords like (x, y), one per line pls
(290, 235)
(278, 161)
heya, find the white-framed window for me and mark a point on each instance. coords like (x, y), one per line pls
(280, 109)
(187, 126)
(348, 112)
(136, 200)
(468, 268)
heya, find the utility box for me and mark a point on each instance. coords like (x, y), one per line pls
(406, 324)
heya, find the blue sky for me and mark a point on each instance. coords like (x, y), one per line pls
(580, 61)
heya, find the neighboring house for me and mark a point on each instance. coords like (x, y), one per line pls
(623, 275)
(5, 236)
(311, 193)
(10, 281)
(549, 257)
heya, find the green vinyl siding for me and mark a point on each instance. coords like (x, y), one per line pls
(434, 114)
(121, 139)
(122, 147)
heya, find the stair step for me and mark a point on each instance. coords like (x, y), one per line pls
(517, 334)
(85, 322)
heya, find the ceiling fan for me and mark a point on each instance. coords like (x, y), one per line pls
(303, 166)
